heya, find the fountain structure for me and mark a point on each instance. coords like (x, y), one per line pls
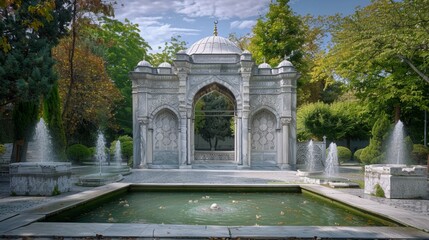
(103, 176)
(42, 176)
(395, 179)
(323, 172)
(312, 165)
(117, 166)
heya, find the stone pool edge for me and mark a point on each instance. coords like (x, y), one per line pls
(25, 223)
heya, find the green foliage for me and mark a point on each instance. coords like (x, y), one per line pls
(381, 50)
(56, 191)
(379, 192)
(126, 146)
(122, 48)
(344, 154)
(357, 155)
(2, 149)
(29, 30)
(208, 124)
(52, 116)
(278, 33)
(78, 153)
(373, 152)
(26, 63)
(420, 153)
(336, 121)
(168, 53)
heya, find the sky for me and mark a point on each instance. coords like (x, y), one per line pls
(159, 20)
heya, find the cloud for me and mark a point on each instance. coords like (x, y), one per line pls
(221, 9)
(188, 19)
(156, 31)
(243, 24)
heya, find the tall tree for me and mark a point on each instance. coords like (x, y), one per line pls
(82, 11)
(122, 48)
(212, 118)
(382, 50)
(94, 99)
(29, 29)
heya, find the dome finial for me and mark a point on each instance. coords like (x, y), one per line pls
(215, 28)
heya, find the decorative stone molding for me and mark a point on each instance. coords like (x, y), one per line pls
(285, 121)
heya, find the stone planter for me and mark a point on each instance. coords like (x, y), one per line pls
(397, 181)
(39, 179)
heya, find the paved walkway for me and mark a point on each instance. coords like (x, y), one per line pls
(10, 205)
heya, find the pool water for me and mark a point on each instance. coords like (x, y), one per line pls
(233, 209)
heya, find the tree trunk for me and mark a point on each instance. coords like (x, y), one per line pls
(397, 113)
(19, 151)
(71, 57)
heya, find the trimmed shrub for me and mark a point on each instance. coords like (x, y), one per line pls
(420, 153)
(356, 155)
(373, 154)
(2, 149)
(126, 146)
(344, 154)
(78, 153)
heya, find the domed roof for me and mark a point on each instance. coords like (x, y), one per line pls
(144, 63)
(213, 45)
(164, 65)
(264, 65)
(285, 63)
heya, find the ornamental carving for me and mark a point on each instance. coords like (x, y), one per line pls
(264, 100)
(162, 100)
(263, 131)
(165, 132)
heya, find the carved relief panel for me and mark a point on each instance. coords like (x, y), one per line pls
(165, 138)
(264, 131)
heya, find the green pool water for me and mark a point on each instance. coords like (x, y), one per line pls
(235, 209)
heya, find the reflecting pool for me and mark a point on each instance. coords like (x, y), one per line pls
(222, 208)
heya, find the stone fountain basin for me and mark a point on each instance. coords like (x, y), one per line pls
(397, 169)
(396, 180)
(306, 173)
(40, 178)
(99, 179)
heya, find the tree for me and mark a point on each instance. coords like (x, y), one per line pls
(382, 50)
(168, 53)
(81, 12)
(122, 48)
(336, 121)
(281, 33)
(94, 98)
(29, 29)
(278, 34)
(212, 118)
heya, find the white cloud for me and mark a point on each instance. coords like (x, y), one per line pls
(156, 32)
(243, 24)
(188, 19)
(221, 9)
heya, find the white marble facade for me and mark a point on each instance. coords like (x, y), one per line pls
(265, 108)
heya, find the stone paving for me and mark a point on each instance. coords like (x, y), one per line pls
(10, 205)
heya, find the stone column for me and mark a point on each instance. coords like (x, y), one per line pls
(183, 142)
(150, 146)
(245, 71)
(285, 122)
(238, 142)
(244, 141)
(143, 141)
